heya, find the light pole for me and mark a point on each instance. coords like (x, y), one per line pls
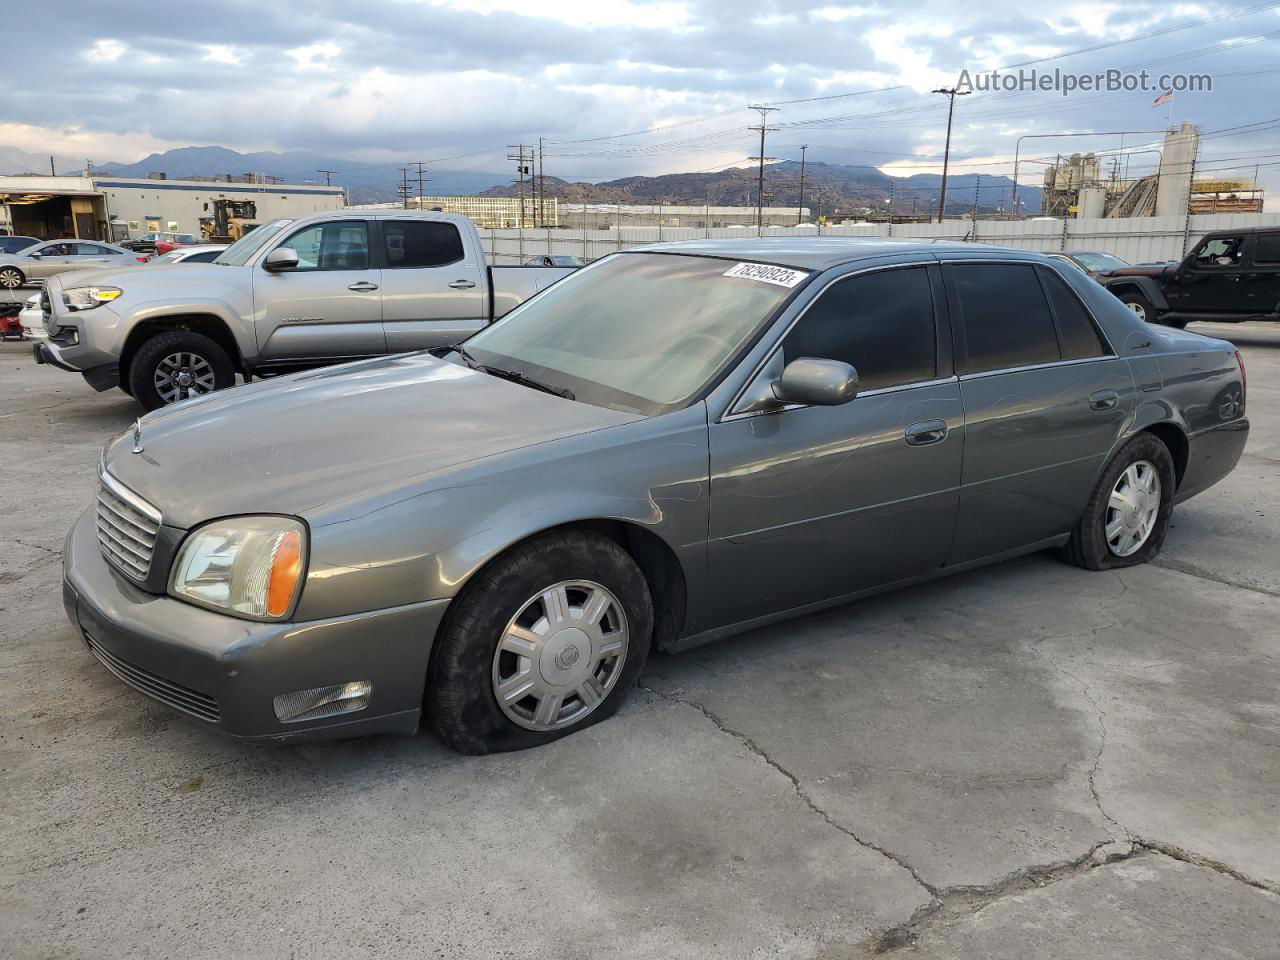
(952, 93)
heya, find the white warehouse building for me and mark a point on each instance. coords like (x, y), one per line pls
(117, 208)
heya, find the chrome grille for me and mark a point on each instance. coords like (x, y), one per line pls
(198, 704)
(127, 528)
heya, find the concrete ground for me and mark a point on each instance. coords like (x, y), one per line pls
(1024, 761)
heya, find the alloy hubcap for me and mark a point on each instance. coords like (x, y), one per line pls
(1138, 309)
(10, 280)
(560, 655)
(182, 375)
(1132, 508)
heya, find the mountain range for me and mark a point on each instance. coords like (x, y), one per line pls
(834, 190)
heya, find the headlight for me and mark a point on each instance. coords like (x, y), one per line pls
(247, 566)
(86, 298)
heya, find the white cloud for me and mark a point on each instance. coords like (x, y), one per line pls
(220, 53)
(315, 56)
(106, 51)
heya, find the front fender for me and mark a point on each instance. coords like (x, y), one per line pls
(427, 545)
(146, 312)
(1147, 286)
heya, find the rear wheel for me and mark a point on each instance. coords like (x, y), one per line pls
(1128, 514)
(547, 640)
(177, 365)
(11, 278)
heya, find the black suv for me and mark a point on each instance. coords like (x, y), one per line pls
(1230, 276)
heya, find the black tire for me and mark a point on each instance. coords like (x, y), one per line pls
(1088, 547)
(141, 374)
(11, 278)
(460, 704)
(1134, 299)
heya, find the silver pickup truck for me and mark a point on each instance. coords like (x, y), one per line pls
(292, 294)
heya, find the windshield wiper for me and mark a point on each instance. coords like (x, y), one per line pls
(515, 376)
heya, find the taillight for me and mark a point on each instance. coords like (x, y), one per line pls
(142, 259)
(1244, 380)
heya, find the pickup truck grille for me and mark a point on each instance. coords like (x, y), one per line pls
(46, 311)
(127, 528)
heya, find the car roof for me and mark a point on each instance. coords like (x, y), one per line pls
(1235, 232)
(822, 253)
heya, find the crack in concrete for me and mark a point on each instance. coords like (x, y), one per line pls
(800, 792)
(1186, 856)
(1199, 574)
(38, 546)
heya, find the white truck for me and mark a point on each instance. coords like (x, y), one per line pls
(292, 294)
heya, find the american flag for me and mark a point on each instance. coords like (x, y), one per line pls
(1163, 99)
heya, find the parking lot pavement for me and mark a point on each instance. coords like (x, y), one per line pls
(1026, 760)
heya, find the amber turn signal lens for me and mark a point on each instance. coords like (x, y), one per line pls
(286, 568)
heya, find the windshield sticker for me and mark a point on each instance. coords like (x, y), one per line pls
(766, 273)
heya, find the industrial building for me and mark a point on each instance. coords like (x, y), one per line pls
(505, 213)
(115, 208)
(1078, 186)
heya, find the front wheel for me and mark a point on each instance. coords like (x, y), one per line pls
(545, 641)
(11, 278)
(177, 365)
(1138, 305)
(1127, 516)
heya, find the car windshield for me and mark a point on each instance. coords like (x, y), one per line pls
(238, 254)
(1099, 262)
(643, 332)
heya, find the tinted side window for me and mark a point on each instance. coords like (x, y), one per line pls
(1266, 248)
(341, 245)
(421, 243)
(1006, 317)
(1076, 333)
(92, 250)
(205, 257)
(881, 323)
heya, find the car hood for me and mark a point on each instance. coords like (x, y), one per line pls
(1151, 271)
(357, 434)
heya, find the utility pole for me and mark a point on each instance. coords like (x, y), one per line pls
(52, 172)
(952, 93)
(421, 181)
(763, 128)
(522, 168)
(404, 186)
(800, 211)
(540, 213)
(327, 175)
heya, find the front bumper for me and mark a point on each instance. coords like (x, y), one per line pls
(225, 672)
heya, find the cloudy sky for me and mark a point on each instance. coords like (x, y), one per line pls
(455, 81)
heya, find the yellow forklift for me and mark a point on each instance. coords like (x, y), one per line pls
(231, 220)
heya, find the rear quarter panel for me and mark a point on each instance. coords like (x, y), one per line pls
(512, 286)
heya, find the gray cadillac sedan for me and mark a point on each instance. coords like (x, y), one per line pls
(670, 446)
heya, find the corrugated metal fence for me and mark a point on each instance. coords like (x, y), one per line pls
(1138, 240)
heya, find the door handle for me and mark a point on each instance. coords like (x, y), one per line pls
(1104, 400)
(462, 284)
(926, 431)
(364, 286)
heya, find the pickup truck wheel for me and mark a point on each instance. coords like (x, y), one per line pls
(177, 365)
(1128, 514)
(545, 641)
(11, 278)
(1139, 305)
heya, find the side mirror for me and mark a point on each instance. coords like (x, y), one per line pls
(34, 256)
(281, 259)
(815, 382)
